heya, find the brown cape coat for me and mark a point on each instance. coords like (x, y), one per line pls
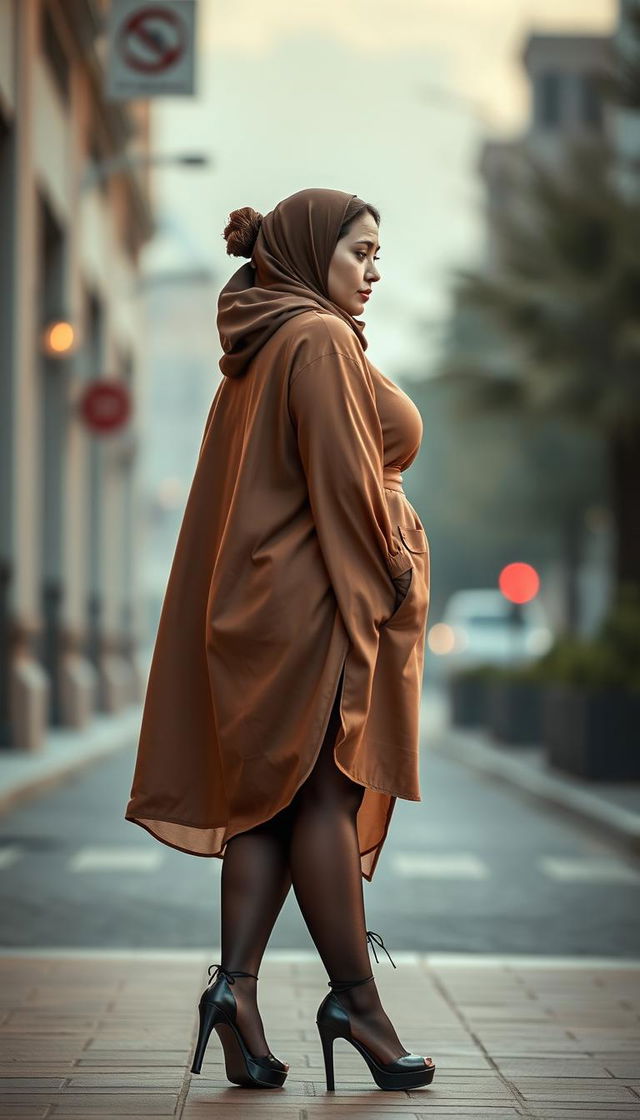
(295, 526)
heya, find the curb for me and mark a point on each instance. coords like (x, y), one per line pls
(65, 752)
(469, 747)
(307, 956)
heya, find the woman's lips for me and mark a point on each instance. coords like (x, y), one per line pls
(365, 295)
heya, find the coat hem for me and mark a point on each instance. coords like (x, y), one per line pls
(139, 820)
(169, 843)
(378, 789)
(219, 854)
(380, 843)
(146, 822)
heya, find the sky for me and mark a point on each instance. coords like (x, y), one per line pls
(388, 99)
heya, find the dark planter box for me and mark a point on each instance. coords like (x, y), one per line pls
(468, 697)
(592, 734)
(514, 711)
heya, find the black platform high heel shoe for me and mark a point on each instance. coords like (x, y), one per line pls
(218, 1009)
(407, 1072)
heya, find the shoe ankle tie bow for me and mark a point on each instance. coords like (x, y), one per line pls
(218, 970)
(375, 938)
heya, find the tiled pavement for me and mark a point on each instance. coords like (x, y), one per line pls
(110, 1034)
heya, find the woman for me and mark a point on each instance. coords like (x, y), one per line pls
(282, 709)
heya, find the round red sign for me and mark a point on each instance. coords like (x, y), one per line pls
(152, 39)
(105, 406)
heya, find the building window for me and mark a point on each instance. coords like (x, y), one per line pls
(590, 102)
(55, 54)
(548, 95)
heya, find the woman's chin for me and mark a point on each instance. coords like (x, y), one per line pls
(355, 307)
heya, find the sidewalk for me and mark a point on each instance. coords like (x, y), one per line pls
(612, 808)
(110, 1034)
(65, 751)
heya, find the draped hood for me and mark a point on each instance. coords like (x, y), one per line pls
(288, 274)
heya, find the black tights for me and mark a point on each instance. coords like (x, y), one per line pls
(313, 844)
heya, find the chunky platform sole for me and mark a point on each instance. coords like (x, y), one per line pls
(382, 1075)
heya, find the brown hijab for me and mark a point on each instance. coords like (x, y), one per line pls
(288, 275)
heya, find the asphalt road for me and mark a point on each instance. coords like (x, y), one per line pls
(473, 867)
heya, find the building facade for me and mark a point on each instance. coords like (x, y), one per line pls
(74, 217)
(563, 72)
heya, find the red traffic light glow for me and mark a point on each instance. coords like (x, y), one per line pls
(519, 582)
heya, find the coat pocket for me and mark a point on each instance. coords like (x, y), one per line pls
(411, 612)
(413, 539)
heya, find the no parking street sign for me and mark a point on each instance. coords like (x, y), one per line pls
(151, 48)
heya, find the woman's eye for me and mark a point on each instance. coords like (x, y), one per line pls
(361, 253)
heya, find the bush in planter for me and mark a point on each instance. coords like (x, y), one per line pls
(468, 693)
(514, 706)
(620, 632)
(610, 659)
(591, 708)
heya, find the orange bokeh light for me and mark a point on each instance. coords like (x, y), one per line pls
(59, 337)
(519, 582)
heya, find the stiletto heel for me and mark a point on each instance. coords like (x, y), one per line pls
(218, 1008)
(332, 1020)
(327, 1039)
(209, 1015)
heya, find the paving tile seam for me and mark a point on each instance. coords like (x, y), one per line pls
(448, 997)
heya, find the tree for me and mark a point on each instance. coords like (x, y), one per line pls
(564, 298)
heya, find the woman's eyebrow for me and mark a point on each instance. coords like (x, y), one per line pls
(363, 241)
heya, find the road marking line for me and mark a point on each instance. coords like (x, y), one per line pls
(586, 870)
(463, 865)
(115, 859)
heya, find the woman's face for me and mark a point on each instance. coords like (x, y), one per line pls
(352, 267)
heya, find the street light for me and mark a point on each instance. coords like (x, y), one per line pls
(97, 172)
(58, 338)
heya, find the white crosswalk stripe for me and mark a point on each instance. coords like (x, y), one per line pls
(107, 858)
(429, 865)
(588, 870)
(9, 854)
(454, 866)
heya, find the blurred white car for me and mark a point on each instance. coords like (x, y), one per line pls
(480, 625)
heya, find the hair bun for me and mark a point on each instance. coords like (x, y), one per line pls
(241, 231)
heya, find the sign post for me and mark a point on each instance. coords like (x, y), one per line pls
(151, 49)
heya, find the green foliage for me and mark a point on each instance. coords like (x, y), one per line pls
(611, 659)
(561, 301)
(549, 327)
(622, 84)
